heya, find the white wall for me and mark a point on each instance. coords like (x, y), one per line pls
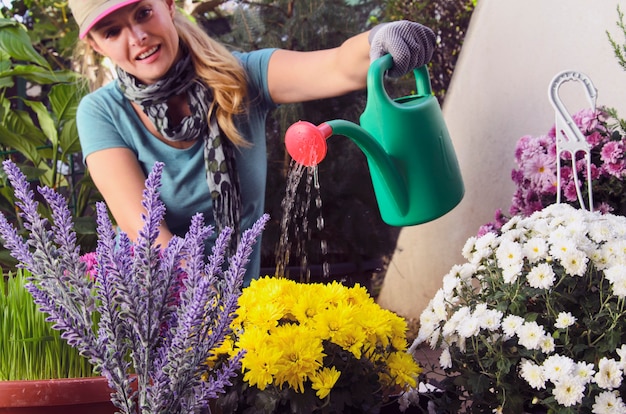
(499, 92)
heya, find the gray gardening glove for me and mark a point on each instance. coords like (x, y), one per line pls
(410, 44)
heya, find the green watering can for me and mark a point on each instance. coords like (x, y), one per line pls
(411, 158)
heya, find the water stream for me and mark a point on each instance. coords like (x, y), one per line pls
(294, 225)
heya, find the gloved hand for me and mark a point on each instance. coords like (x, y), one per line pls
(410, 44)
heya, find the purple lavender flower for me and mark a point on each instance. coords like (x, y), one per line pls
(148, 326)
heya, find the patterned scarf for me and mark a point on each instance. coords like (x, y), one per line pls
(219, 156)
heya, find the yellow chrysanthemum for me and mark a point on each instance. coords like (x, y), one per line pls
(333, 323)
(324, 380)
(302, 355)
(403, 370)
(264, 315)
(260, 366)
(307, 307)
(252, 338)
(332, 293)
(358, 295)
(283, 325)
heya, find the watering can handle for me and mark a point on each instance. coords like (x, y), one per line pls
(376, 77)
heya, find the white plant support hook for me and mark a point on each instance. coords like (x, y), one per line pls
(568, 136)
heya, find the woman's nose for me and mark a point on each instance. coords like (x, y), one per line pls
(137, 35)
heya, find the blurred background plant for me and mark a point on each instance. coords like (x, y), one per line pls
(38, 100)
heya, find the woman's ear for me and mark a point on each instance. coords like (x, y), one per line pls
(171, 4)
(93, 44)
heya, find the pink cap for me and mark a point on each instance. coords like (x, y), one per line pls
(88, 13)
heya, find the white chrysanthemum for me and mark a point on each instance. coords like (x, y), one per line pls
(539, 227)
(556, 367)
(535, 249)
(433, 340)
(450, 282)
(609, 375)
(510, 325)
(511, 273)
(466, 271)
(449, 328)
(439, 306)
(584, 372)
(445, 359)
(530, 335)
(461, 343)
(565, 320)
(469, 248)
(547, 344)
(618, 225)
(619, 249)
(600, 230)
(597, 259)
(514, 235)
(483, 247)
(574, 262)
(559, 247)
(491, 319)
(561, 233)
(613, 252)
(532, 374)
(568, 391)
(480, 310)
(617, 276)
(468, 328)
(541, 276)
(622, 357)
(509, 254)
(608, 402)
(603, 257)
(514, 222)
(428, 323)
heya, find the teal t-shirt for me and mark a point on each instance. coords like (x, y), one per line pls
(106, 119)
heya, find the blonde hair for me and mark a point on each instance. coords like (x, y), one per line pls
(215, 65)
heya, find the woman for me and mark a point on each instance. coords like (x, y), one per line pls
(181, 98)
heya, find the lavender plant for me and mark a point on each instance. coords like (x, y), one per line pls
(160, 312)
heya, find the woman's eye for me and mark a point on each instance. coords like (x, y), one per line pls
(144, 13)
(110, 33)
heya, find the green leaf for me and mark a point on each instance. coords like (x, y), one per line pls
(39, 75)
(46, 123)
(68, 138)
(20, 123)
(64, 99)
(14, 40)
(85, 225)
(17, 142)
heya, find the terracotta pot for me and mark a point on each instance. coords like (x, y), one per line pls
(58, 396)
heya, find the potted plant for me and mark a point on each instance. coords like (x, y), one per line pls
(315, 347)
(535, 173)
(534, 320)
(161, 312)
(35, 359)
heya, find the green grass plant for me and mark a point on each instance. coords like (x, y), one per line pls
(29, 348)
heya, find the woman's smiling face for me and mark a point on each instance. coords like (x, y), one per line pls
(140, 38)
